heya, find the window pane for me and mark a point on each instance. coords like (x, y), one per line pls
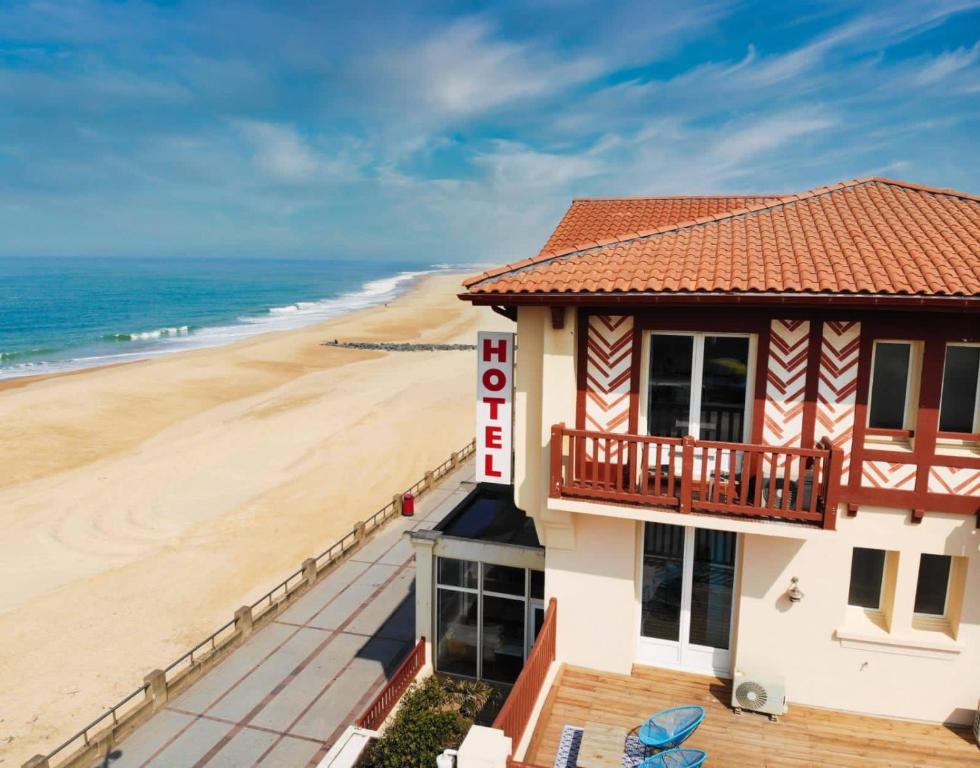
(726, 367)
(891, 373)
(537, 585)
(670, 385)
(663, 573)
(867, 567)
(956, 414)
(503, 638)
(711, 588)
(930, 591)
(504, 579)
(456, 653)
(458, 573)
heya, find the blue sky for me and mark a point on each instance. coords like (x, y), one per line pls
(457, 132)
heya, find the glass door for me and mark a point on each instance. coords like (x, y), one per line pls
(688, 578)
(698, 386)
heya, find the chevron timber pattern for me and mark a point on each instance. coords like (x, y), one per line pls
(782, 424)
(609, 359)
(959, 481)
(888, 475)
(837, 386)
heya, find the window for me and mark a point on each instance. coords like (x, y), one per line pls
(932, 585)
(867, 570)
(487, 617)
(890, 385)
(961, 376)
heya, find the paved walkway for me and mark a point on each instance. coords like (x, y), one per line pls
(288, 693)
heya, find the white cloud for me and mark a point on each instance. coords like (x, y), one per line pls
(946, 64)
(464, 69)
(284, 155)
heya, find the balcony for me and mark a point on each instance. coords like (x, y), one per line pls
(763, 482)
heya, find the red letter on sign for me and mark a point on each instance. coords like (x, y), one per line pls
(494, 402)
(494, 379)
(493, 437)
(500, 350)
(488, 469)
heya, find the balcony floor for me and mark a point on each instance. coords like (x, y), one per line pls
(804, 737)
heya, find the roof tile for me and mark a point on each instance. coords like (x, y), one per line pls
(865, 236)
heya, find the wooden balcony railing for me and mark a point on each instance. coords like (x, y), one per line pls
(516, 713)
(704, 476)
(383, 703)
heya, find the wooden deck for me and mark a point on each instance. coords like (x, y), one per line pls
(804, 737)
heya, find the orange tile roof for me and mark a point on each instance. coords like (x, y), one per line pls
(868, 236)
(591, 220)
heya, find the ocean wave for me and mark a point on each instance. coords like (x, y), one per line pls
(163, 341)
(159, 333)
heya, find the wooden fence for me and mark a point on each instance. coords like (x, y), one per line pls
(383, 703)
(516, 713)
(706, 476)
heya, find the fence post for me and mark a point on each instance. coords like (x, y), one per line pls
(687, 470)
(396, 502)
(360, 533)
(309, 571)
(428, 480)
(156, 688)
(557, 431)
(38, 761)
(243, 621)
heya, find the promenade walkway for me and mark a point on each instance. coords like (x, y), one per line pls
(291, 689)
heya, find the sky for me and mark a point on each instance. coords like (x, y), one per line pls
(456, 132)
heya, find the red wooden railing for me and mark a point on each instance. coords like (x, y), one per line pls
(375, 714)
(515, 715)
(707, 476)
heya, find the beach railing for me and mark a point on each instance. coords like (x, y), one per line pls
(98, 737)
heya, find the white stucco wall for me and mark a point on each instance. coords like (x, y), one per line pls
(832, 655)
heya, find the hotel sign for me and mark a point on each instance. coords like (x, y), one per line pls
(494, 406)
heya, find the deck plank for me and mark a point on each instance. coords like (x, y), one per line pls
(806, 736)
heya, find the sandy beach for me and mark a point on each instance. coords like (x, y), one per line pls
(141, 504)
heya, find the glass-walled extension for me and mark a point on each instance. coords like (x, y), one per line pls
(487, 618)
(480, 587)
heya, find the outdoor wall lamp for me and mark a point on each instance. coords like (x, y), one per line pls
(794, 593)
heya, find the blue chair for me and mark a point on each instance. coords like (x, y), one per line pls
(671, 727)
(676, 758)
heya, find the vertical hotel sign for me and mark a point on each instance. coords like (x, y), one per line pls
(494, 406)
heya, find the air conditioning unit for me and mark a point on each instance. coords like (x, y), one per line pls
(759, 693)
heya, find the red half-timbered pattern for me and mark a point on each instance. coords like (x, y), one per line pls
(609, 359)
(782, 423)
(837, 386)
(889, 475)
(959, 481)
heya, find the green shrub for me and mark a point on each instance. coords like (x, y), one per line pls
(434, 715)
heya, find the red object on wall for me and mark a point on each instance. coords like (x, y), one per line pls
(408, 505)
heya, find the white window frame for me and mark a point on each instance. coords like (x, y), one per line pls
(480, 592)
(913, 374)
(976, 404)
(697, 378)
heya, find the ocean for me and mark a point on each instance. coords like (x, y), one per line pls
(61, 314)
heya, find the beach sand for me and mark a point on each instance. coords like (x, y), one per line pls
(141, 504)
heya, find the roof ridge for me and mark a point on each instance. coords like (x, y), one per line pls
(777, 202)
(733, 196)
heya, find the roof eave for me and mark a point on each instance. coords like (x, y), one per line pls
(896, 301)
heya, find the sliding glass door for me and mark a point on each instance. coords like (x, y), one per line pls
(688, 580)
